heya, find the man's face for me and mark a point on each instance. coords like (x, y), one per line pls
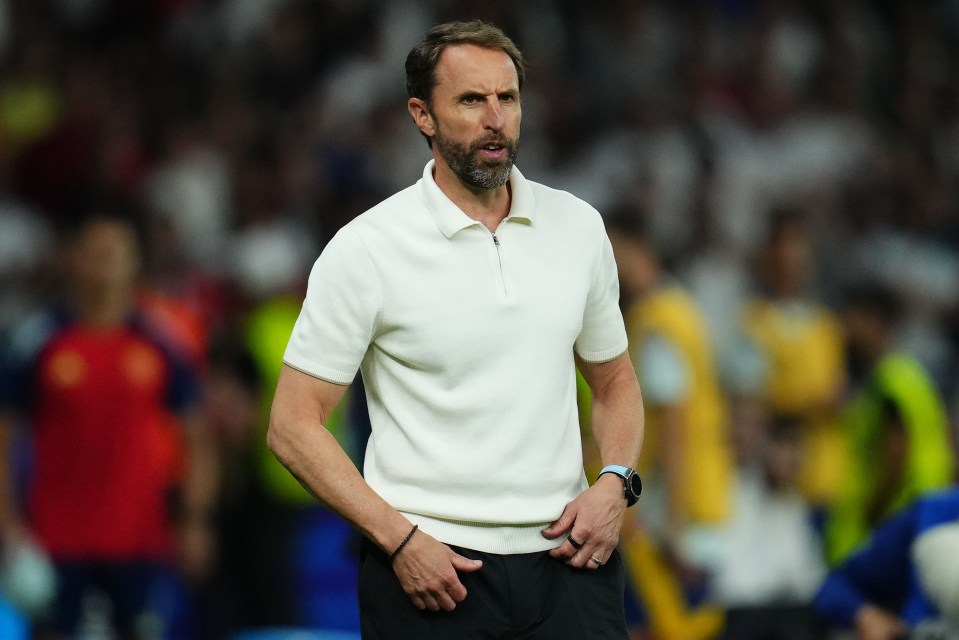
(474, 114)
(105, 257)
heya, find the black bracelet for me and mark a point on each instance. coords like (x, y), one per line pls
(405, 540)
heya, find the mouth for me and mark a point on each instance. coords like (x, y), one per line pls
(493, 150)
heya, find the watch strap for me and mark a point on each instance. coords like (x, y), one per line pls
(627, 475)
(618, 469)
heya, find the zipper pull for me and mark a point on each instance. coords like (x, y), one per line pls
(495, 240)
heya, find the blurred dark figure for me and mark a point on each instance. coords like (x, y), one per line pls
(686, 462)
(109, 497)
(801, 344)
(223, 604)
(904, 583)
(896, 426)
(772, 561)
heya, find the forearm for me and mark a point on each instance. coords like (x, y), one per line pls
(670, 420)
(893, 453)
(201, 483)
(8, 506)
(617, 420)
(595, 517)
(317, 461)
(300, 441)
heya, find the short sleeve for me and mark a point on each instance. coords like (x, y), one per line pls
(340, 312)
(184, 391)
(662, 370)
(603, 336)
(18, 358)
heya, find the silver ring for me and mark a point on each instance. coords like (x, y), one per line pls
(598, 562)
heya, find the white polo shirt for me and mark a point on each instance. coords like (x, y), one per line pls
(465, 340)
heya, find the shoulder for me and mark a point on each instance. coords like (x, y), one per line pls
(386, 214)
(155, 333)
(674, 301)
(938, 507)
(564, 206)
(390, 223)
(33, 334)
(900, 371)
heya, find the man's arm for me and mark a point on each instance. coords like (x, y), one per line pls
(617, 411)
(200, 487)
(865, 591)
(893, 453)
(301, 406)
(595, 517)
(11, 523)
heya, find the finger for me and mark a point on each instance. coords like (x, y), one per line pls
(418, 602)
(461, 563)
(445, 602)
(560, 526)
(431, 603)
(565, 551)
(457, 592)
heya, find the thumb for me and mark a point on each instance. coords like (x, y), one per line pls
(559, 527)
(461, 563)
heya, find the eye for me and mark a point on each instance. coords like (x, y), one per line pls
(471, 99)
(508, 97)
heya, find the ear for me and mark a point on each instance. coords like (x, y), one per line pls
(421, 116)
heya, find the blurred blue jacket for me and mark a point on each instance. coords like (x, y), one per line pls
(882, 572)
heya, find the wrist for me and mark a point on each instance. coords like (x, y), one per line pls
(390, 534)
(401, 545)
(197, 515)
(612, 483)
(629, 481)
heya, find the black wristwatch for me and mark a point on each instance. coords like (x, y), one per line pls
(631, 481)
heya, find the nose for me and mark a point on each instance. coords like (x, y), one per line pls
(494, 115)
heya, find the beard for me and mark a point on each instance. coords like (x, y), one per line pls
(462, 160)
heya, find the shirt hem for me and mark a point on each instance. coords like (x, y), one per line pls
(333, 377)
(503, 539)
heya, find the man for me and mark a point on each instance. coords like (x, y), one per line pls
(98, 389)
(896, 426)
(802, 347)
(463, 300)
(905, 581)
(687, 457)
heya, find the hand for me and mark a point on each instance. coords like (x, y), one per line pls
(872, 623)
(13, 532)
(196, 547)
(592, 523)
(427, 570)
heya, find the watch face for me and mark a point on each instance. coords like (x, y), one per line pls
(635, 484)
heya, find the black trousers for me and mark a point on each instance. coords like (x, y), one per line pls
(773, 622)
(513, 597)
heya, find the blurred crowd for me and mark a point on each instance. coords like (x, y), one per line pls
(781, 181)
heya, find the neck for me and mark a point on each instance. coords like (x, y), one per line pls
(103, 309)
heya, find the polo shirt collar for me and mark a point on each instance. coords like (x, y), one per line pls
(449, 218)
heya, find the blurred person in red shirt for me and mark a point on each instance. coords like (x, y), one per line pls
(97, 385)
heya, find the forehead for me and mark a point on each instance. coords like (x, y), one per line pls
(107, 234)
(468, 67)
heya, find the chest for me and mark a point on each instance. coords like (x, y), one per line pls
(481, 292)
(90, 371)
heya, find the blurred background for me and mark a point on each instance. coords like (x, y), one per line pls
(780, 152)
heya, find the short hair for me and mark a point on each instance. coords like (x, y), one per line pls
(117, 215)
(423, 58)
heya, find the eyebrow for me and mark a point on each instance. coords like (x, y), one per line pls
(475, 93)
